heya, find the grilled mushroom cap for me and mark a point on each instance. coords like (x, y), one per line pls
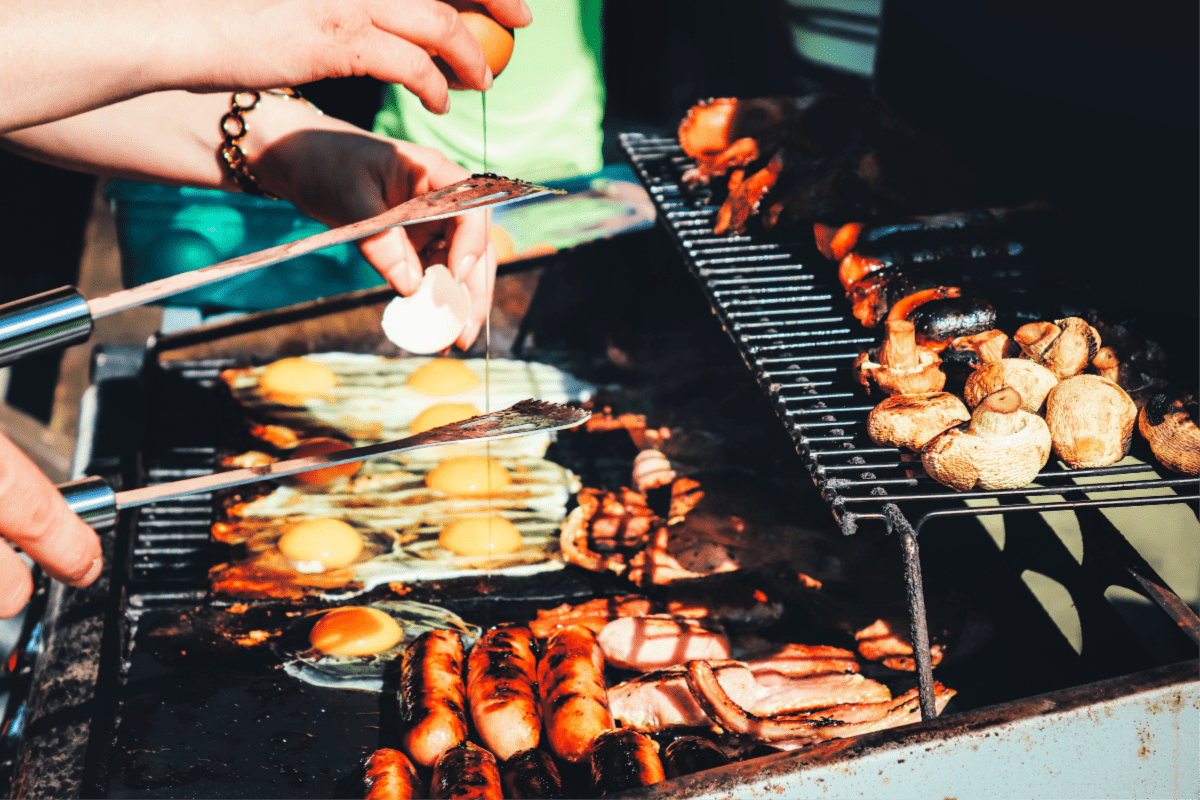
(911, 420)
(989, 346)
(899, 366)
(1065, 347)
(1090, 420)
(1168, 422)
(1002, 448)
(1032, 381)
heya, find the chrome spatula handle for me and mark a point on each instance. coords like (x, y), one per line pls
(56, 318)
(93, 500)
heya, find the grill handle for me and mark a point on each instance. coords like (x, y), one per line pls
(93, 500)
(56, 318)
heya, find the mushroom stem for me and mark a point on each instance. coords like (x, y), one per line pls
(899, 350)
(996, 414)
(1036, 337)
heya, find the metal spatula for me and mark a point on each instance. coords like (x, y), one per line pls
(96, 502)
(62, 317)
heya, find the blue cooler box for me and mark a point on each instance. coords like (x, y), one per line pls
(165, 230)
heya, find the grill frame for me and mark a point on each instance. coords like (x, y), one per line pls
(745, 269)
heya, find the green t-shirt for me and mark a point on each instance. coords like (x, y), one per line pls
(543, 112)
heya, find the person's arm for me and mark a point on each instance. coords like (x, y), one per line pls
(61, 58)
(332, 171)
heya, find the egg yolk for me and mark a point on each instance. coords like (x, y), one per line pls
(292, 380)
(330, 542)
(442, 414)
(320, 446)
(442, 376)
(480, 536)
(355, 631)
(468, 475)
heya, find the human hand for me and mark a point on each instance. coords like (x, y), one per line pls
(338, 174)
(298, 41)
(35, 517)
(63, 59)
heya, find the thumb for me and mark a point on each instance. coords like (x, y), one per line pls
(393, 257)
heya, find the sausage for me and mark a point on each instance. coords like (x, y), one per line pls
(389, 775)
(623, 759)
(689, 754)
(574, 697)
(502, 690)
(646, 643)
(432, 714)
(938, 322)
(466, 772)
(531, 774)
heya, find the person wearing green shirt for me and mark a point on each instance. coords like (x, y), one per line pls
(543, 111)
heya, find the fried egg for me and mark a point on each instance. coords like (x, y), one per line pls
(320, 477)
(468, 475)
(442, 414)
(292, 381)
(316, 545)
(356, 636)
(355, 631)
(373, 399)
(481, 536)
(400, 516)
(442, 376)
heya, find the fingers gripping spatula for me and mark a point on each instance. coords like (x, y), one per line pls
(96, 502)
(62, 317)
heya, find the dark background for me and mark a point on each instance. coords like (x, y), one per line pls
(1094, 107)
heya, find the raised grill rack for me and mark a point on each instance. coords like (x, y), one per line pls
(795, 333)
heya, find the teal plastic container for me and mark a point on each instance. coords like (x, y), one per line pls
(165, 230)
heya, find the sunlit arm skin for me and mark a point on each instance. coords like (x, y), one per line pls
(333, 171)
(64, 57)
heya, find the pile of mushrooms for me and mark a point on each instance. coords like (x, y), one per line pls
(1003, 447)
(1026, 403)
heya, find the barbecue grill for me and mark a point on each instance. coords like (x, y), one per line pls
(108, 708)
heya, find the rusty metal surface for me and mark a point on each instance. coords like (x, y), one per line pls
(1133, 736)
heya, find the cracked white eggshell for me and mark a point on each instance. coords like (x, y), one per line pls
(432, 318)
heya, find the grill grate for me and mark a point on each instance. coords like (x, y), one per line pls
(172, 547)
(796, 335)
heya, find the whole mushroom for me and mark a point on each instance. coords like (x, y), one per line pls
(1168, 422)
(911, 420)
(1090, 420)
(1031, 380)
(899, 366)
(1003, 447)
(1065, 347)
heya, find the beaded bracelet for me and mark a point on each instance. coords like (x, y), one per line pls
(234, 130)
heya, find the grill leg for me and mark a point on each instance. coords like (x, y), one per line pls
(916, 608)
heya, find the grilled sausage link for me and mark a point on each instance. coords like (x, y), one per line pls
(502, 690)
(389, 775)
(623, 759)
(531, 775)
(431, 696)
(574, 698)
(689, 754)
(466, 772)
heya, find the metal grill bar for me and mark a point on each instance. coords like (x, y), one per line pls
(746, 302)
